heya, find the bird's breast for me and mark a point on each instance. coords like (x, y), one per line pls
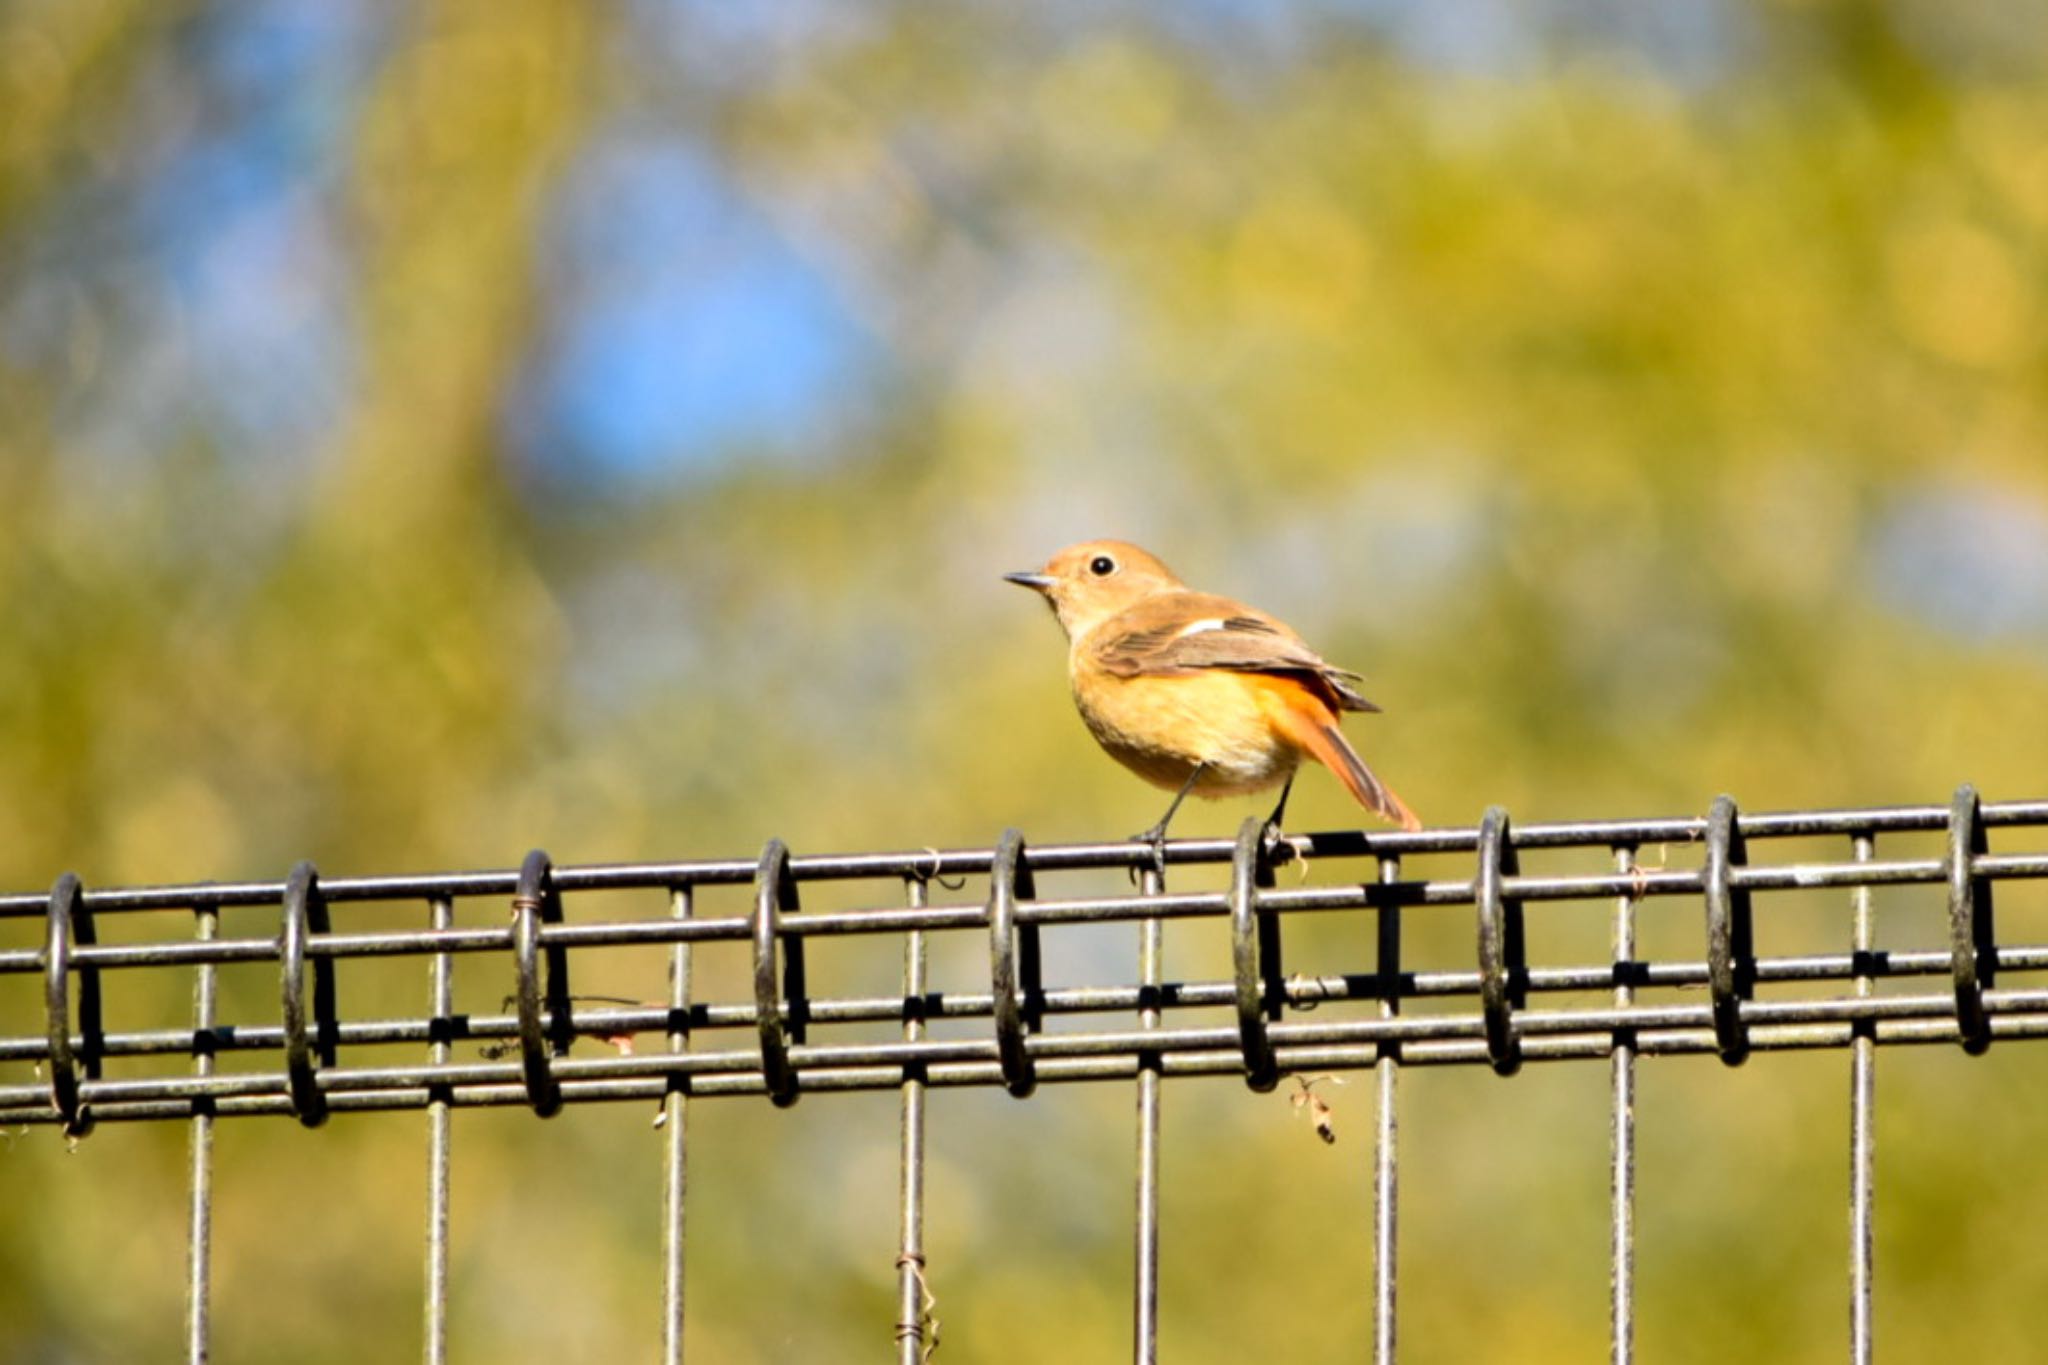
(1162, 727)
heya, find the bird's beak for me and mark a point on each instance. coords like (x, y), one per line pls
(1037, 582)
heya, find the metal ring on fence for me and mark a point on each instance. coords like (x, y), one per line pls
(1387, 976)
(1503, 965)
(1731, 951)
(1972, 946)
(775, 892)
(536, 902)
(71, 924)
(1013, 964)
(1254, 937)
(306, 1048)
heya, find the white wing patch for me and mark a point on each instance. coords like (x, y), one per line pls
(1198, 627)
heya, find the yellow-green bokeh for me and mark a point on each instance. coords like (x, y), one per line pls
(1642, 433)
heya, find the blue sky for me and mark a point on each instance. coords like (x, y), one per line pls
(683, 328)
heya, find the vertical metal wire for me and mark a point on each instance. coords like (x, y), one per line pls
(1150, 976)
(441, 1009)
(675, 1113)
(1385, 1170)
(911, 1347)
(1622, 1282)
(199, 1225)
(1862, 1127)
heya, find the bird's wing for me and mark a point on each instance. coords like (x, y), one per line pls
(1175, 634)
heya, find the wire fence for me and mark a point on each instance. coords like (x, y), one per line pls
(783, 1042)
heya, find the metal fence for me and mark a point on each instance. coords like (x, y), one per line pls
(1728, 1001)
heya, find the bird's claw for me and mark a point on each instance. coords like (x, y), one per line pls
(1155, 839)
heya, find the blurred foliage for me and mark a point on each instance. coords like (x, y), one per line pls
(1652, 404)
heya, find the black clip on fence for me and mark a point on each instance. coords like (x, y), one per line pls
(1972, 946)
(71, 924)
(305, 1050)
(536, 902)
(1503, 956)
(1014, 973)
(774, 893)
(1731, 955)
(1255, 953)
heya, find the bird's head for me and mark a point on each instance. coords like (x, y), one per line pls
(1086, 584)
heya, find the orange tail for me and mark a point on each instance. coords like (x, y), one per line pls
(1310, 724)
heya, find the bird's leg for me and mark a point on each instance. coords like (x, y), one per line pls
(1273, 821)
(1156, 836)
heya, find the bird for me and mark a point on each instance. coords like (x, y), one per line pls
(1197, 693)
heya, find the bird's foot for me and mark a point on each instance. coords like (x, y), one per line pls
(1155, 839)
(1279, 850)
(1275, 845)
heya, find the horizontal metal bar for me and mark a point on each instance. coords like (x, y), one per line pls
(931, 863)
(1655, 1019)
(1227, 1062)
(1300, 992)
(1103, 909)
(30, 1103)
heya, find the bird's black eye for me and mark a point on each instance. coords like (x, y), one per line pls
(1102, 566)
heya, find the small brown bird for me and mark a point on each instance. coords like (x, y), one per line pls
(1195, 692)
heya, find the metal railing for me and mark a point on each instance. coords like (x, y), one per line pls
(1622, 1009)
